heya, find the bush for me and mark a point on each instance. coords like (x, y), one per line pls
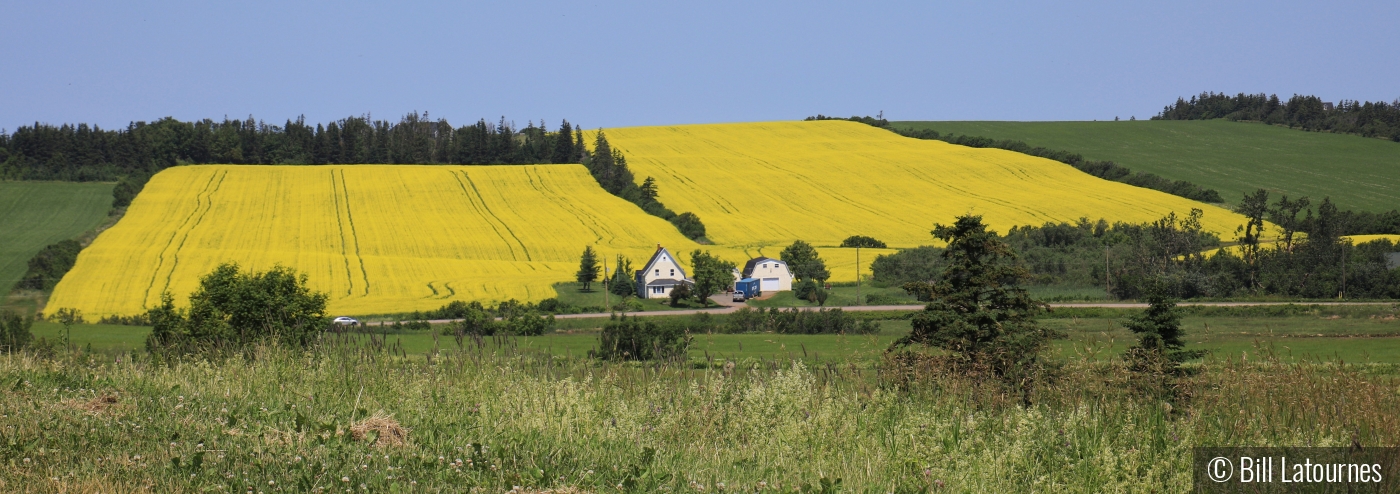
(679, 293)
(625, 338)
(523, 319)
(794, 321)
(917, 264)
(862, 241)
(803, 289)
(15, 332)
(689, 225)
(49, 265)
(232, 309)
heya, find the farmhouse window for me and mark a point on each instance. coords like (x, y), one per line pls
(673, 272)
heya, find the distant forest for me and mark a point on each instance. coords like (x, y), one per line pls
(1369, 119)
(85, 152)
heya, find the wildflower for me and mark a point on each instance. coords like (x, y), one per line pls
(345, 479)
(272, 482)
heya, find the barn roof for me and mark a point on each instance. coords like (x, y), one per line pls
(748, 266)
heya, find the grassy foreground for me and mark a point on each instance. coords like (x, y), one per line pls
(359, 418)
(1231, 157)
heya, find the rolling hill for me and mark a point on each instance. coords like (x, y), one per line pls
(36, 214)
(1233, 158)
(765, 184)
(396, 238)
(376, 238)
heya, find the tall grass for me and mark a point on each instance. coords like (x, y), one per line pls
(482, 414)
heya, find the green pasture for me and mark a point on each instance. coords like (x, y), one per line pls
(1357, 338)
(36, 214)
(1231, 157)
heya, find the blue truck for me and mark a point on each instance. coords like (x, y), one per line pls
(746, 288)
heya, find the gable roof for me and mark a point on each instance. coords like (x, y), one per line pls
(748, 266)
(657, 256)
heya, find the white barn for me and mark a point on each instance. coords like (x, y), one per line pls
(660, 275)
(773, 275)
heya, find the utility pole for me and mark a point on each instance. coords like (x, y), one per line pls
(858, 302)
(606, 290)
(1107, 291)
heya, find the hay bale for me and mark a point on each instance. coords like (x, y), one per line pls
(388, 432)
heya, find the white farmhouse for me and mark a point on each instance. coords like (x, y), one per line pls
(660, 275)
(773, 275)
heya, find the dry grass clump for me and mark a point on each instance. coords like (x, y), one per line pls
(97, 405)
(388, 432)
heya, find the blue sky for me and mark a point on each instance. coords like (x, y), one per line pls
(608, 64)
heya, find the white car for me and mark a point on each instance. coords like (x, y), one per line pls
(345, 321)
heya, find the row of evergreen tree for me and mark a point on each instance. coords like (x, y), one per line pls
(1370, 119)
(85, 152)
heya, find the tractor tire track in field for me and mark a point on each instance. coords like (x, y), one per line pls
(587, 220)
(203, 203)
(490, 215)
(340, 227)
(354, 235)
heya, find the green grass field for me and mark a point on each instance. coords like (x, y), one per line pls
(1231, 157)
(36, 214)
(363, 417)
(1360, 338)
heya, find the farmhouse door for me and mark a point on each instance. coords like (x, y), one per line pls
(769, 284)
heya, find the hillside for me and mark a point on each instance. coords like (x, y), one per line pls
(376, 238)
(764, 184)
(1232, 157)
(35, 214)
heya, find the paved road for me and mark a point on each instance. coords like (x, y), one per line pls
(727, 307)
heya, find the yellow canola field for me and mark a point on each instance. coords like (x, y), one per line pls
(376, 238)
(766, 184)
(1362, 239)
(1354, 239)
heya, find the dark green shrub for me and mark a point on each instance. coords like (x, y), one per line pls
(50, 264)
(689, 225)
(862, 241)
(631, 338)
(15, 332)
(917, 264)
(803, 289)
(794, 321)
(678, 293)
(232, 309)
(522, 319)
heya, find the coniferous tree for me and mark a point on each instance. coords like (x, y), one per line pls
(587, 268)
(622, 283)
(980, 314)
(648, 190)
(564, 145)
